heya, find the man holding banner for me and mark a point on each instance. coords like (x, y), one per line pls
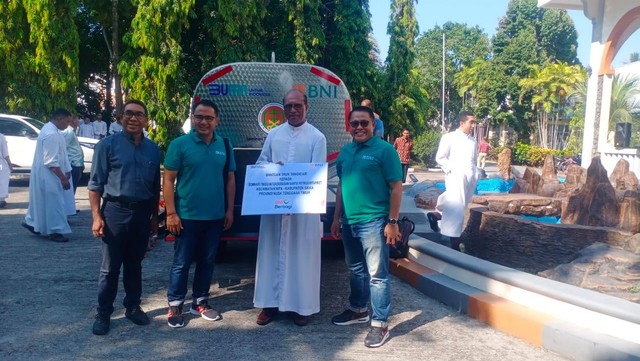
(288, 262)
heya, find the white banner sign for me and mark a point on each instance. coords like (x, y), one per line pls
(285, 189)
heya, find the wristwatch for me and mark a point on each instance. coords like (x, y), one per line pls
(392, 221)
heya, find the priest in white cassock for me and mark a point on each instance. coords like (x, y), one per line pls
(50, 178)
(5, 171)
(457, 154)
(288, 262)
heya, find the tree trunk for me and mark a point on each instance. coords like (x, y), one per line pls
(115, 56)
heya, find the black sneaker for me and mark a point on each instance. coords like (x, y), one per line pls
(203, 309)
(174, 317)
(101, 325)
(349, 317)
(377, 336)
(137, 316)
(433, 218)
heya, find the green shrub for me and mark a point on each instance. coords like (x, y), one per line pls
(520, 154)
(525, 154)
(425, 147)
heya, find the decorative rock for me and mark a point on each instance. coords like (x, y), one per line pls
(630, 214)
(504, 164)
(628, 181)
(633, 244)
(595, 204)
(427, 198)
(575, 176)
(530, 181)
(621, 168)
(528, 245)
(549, 184)
(601, 268)
(528, 204)
(520, 186)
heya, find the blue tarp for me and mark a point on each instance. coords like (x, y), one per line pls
(491, 185)
(543, 219)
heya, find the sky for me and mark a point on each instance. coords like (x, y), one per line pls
(486, 14)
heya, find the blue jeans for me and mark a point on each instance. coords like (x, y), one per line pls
(198, 242)
(126, 235)
(367, 257)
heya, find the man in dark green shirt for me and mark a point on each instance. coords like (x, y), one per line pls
(196, 209)
(370, 192)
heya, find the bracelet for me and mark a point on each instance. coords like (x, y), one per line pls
(171, 214)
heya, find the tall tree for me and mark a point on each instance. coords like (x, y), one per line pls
(400, 107)
(527, 36)
(347, 48)
(15, 72)
(464, 46)
(151, 69)
(234, 30)
(40, 50)
(308, 35)
(558, 36)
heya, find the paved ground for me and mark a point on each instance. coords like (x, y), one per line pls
(49, 295)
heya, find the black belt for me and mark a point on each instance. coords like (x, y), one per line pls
(126, 203)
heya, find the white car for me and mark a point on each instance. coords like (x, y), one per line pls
(21, 134)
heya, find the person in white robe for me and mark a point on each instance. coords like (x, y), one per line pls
(50, 178)
(115, 127)
(288, 262)
(457, 154)
(5, 171)
(99, 127)
(86, 129)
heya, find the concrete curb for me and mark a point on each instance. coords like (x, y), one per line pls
(573, 322)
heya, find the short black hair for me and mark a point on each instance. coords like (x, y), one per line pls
(139, 102)
(205, 103)
(463, 115)
(362, 108)
(60, 113)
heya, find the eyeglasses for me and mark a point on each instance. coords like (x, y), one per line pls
(207, 118)
(356, 123)
(288, 107)
(130, 114)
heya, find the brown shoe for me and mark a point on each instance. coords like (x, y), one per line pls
(57, 237)
(266, 315)
(300, 320)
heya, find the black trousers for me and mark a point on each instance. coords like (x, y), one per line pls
(126, 236)
(405, 169)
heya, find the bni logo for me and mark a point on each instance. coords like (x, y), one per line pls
(281, 202)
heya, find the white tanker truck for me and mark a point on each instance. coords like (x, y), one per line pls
(249, 96)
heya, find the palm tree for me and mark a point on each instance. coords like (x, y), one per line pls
(551, 86)
(625, 102)
(625, 99)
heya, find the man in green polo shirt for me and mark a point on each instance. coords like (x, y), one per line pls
(196, 209)
(369, 192)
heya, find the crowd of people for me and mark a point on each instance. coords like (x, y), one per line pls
(199, 191)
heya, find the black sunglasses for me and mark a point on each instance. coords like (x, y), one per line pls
(356, 123)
